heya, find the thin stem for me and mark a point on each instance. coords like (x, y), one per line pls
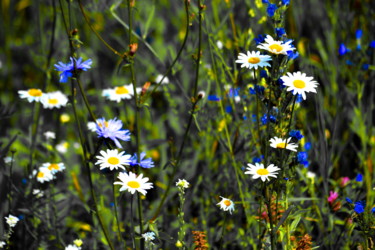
(85, 99)
(270, 216)
(223, 232)
(116, 213)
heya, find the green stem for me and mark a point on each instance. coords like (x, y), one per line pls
(223, 232)
(120, 238)
(85, 99)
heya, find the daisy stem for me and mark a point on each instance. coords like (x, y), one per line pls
(84, 97)
(116, 213)
(86, 163)
(34, 134)
(132, 222)
(223, 232)
(270, 216)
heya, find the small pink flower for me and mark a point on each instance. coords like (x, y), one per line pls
(332, 196)
(344, 181)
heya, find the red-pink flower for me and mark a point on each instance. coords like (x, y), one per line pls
(344, 181)
(332, 196)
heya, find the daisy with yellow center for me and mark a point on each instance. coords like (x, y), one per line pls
(113, 160)
(54, 167)
(226, 204)
(119, 93)
(276, 47)
(277, 142)
(131, 183)
(299, 83)
(258, 171)
(253, 60)
(32, 95)
(43, 174)
(54, 100)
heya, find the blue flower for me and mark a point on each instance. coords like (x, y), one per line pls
(299, 98)
(112, 129)
(228, 109)
(359, 206)
(373, 210)
(265, 120)
(296, 134)
(280, 32)
(365, 66)
(292, 55)
(263, 73)
(233, 92)
(67, 69)
(258, 159)
(348, 62)
(213, 98)
(254, 118)
(285, 2)
(265, 1)
(281, 83)
(307, 146)
(271, 9)
(257, 89)
(359, 178)
(372, 44)
(358, 34)
(302, 158)
(144, 163)
(260, 39)
(342, 49)
(348, 200)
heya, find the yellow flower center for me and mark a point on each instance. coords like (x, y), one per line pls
(35, 92)
(281, 145)
(227, 203)
(40, 175)
(262, 171)
(253, 60)
(121, 90)
(53, 101)
(113, 160)
(134, 184)
(276, 47)
(299, 84)
(53, 166)
(105, 124)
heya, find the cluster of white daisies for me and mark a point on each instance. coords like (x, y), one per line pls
(48, 171)
(49, 100)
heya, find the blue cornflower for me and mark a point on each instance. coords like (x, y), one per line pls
(213, 98)
(302, 158)
(348, 62)
(144, 163)
(359, 206)
(342, 49)
(228, 109)
(348, 200)
(234, 92)
(265, 1)
(307, 146)
(372, 44)
(281, 83)
(299, 98)
(358, 34)
(260, 39)
(258, 159)
(271, 9)
(285, 2)
(67, 69)
(257, 89)
(292, 55)
(373, 210)
(365, 66)
(265, 120)
(296, 134)
(280, 32)
(263, 73)
(254, 118)
(112, 129)
(359, 178)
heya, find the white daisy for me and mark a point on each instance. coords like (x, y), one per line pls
(310, 175)
(299, 83)
(119, 93)
(11, 220)
(226, 204)
(182, 183)
(276, 47)
(132, 183)
(258, 170)
(54, 100)
(38, 193)
(165, 80)
(62, 147)
(253, 60)
(72, 247)
(32, 95)
(2, 243)
(49, 135)
(43, 174)
(149, 236)
(113, 160)
(277, 142)
(54, 167)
